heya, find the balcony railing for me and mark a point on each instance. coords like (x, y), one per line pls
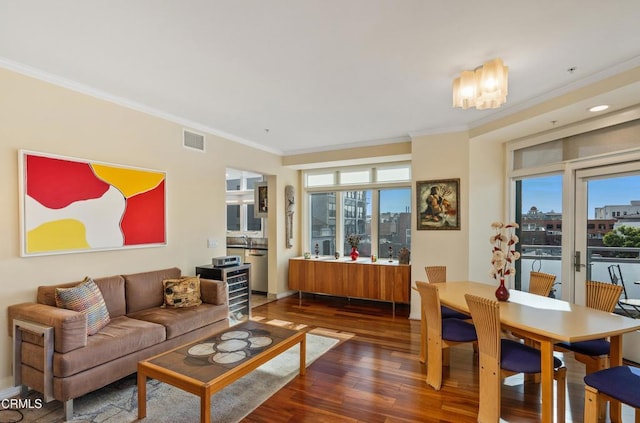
(546, 258)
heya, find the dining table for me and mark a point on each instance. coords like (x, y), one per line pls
(547, 321)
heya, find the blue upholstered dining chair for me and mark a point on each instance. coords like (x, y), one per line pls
(441, 333)
(620, 383)
(500, 358)
(595, 353)
(435, 274)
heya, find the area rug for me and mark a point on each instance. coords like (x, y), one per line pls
(117, 403)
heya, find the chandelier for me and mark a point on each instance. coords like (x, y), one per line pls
(482, 88)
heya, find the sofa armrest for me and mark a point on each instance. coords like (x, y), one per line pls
(213, 292)
(70, 327)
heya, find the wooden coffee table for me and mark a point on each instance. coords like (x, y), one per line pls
(204, 367)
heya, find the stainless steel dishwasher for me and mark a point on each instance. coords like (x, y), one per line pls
(259, 269)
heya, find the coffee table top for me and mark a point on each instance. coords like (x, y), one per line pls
(209, 358)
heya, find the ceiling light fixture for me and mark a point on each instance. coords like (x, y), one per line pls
(483, 88)
(599, 108)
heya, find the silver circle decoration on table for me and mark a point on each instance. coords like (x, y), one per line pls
(235, 334)
(259, 341)
(230, 347)
(228, 357)
(202, 350)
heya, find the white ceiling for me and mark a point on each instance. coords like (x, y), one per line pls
(309, 75)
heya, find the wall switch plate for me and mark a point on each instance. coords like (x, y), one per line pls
(212, 243)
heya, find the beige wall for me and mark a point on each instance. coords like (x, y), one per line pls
(38, 116)
(480, 167)
(487, 189)
(441, 156)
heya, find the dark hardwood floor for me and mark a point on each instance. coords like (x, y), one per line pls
(374, 374)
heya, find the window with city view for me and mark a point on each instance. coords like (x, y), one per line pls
(379, 210)
(540, 228)
(394, 223)
(356, 219)
(392, 214)
(323, 222)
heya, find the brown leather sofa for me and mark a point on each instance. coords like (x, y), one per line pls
(72, 363)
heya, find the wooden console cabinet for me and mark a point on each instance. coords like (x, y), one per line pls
(382, 281)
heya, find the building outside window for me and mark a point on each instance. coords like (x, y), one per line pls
(323, 222)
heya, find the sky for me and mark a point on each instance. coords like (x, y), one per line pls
(395, 200)
(545, 193)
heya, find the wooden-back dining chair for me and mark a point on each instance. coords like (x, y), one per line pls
(541, 283)
(500, 357)
(435, 274)
(595, 353)
(441, 333)
(438, 274)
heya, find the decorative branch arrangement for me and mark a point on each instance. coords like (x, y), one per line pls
(504, 254)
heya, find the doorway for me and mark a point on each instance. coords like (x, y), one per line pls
(607, 235)
(607, 226)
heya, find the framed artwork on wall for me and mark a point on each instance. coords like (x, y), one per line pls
(70, 205)
(438, 203)
(261, 200)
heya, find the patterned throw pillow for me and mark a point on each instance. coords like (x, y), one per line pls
(85, 298)
(182, 292)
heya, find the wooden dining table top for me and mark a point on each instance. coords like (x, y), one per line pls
(552, 318)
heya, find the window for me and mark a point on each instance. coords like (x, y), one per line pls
(323, 222)
(355, 177)
(393, 173)
(358, 211)
(394, 221)
(379, 209)
(321, 179)
(253, 223)
(539, 201)
(233, 217)
(357, 219)
(240, 208)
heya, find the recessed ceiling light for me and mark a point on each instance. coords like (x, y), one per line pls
(599, 108)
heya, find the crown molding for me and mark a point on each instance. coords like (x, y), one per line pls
(120, 101)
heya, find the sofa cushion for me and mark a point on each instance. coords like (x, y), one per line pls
(182, 292)
(112, 288)
(85, 298)
(120, 337)
(144, 290)
(182, 320)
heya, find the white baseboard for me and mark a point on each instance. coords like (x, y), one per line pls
(9, 392)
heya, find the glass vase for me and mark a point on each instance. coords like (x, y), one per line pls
(354, 253)
(502, 293)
